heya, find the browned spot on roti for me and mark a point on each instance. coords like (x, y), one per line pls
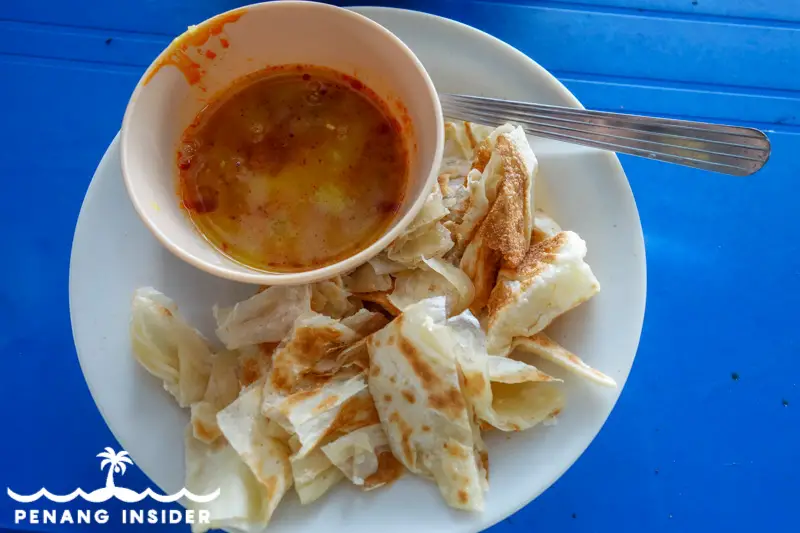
(474, 384)
(484, 457)
(483, 153)
(325, 405)
(355, 413)
(426, 428)
(271, 485)
(251, 372)
(537, 236)
(390, 341)
(296, 398)
(409, 396)
(455, 451)
(505, 227)
(166, 312)
(380, 298)
(463, 497)
(484, 276)
(281, 378)
(389, 470)
(543, 340)
(450, 402)
(387, 398)
(203, 432)
(405, 438)
(375, 323)
(268, 348)
(444, 181)
(470, 135)
(421, 368)
(375, 371)
(312, 344)
(539, 255)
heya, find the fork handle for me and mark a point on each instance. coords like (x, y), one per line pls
(729, 150)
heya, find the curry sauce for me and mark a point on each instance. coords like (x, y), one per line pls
(293, 168)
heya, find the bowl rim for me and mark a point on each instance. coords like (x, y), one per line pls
(252, 275)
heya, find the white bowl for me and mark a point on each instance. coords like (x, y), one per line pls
(240, 42)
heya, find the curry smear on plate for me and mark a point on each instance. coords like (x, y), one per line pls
(293, 168)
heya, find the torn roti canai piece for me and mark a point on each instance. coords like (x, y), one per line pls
(259, 444)
(364, 457)
(504, 233)
(365, 322)
(546, 348)
(426, 236)
(552, 279)
(330, 298)
(314, 474)
(436, 277)
(316, 417)
(167, 347)
(460, 141)
(255, 362)
(223, 388)
(243, 503)
(366, 279)
(266, 317)
(507, 394)
(314, 338)
(415, 383)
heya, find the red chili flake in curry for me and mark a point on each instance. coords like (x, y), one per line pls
(293, 168)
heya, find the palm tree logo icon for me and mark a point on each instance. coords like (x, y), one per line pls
(117, 464)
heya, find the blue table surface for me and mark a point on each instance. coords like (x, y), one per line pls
(705, 435)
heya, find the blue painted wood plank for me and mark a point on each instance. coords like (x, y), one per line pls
(649, 47)
(682, 100)
(563, 37)
(636, 95)
(775, 10)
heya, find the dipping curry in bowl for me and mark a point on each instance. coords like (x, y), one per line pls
(293, 168)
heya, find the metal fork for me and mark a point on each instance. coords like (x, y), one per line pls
(726, 149)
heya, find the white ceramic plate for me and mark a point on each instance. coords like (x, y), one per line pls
(584, 190)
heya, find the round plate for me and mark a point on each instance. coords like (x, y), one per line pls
(583, 189)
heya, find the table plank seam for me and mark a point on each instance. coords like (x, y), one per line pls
(646, 13)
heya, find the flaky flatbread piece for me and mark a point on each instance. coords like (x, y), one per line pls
(167, 347)
(552, 279)
(546, 348)
(266, 317)
(243, 503)
(258, 444)
(507, 394)
(316, 417)
(314, 474)
(504, 234)
(435, 277)
(364, 457)
(414, 381)
(223, 388)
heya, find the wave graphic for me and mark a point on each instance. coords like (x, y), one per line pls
(106, 493)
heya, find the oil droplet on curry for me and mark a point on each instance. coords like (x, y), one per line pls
(293, 169)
